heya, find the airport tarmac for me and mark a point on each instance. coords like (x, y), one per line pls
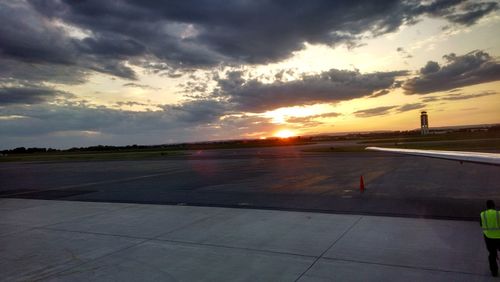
(48, 240)
(284, 178)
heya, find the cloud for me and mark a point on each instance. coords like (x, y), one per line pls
(380, 93)
(81, 124)
(111, 45)
(246, 124)
(378, 111)
(404, 53)
(330, 86)
(139, 85)
(130, 103)
(311, 118)
(29, 95)
(187, 34)
(472, 12)
(430, 67)
(28, 37)
(410, 107)
(473, 68)
(49, 118)
(458, 96)
(12, 71)
(197, 111)
(66, 41)
(310, 121)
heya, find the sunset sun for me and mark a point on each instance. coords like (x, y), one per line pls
(285, 133)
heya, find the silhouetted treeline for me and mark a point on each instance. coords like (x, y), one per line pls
(172, 147)
(23, 150)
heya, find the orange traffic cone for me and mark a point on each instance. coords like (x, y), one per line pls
(361, 184)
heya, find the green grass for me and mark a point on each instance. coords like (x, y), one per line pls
(333, 149)
(242, 144)
(450, 145)
(436, 137)
(90, 156)
(462, 145)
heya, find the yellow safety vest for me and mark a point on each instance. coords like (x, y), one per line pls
(490, 222)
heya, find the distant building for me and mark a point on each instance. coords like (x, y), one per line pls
(424, 123)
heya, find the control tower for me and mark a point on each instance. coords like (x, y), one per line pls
(424, 123)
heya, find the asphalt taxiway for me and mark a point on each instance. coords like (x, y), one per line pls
(284, 178)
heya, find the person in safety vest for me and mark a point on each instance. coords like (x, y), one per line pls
(490, 223)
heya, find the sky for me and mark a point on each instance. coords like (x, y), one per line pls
(122, 72)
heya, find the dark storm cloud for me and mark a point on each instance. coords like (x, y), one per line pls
(28, 95)
(181, 35)
(458, 11)
(378, 111)
(472, 12)
(114, 68)
(13, 71)
(326, 87)
(469, 69)
(111, 45)
(27, 38)
(207, 33)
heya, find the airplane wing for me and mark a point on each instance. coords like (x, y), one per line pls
(471, 157)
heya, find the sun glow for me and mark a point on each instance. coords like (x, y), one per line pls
(280, 116)
(285, 133)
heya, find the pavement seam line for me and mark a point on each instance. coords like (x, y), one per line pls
(156, 238)
(91, 260)
(47, 227)
(188, 224)
(83, 217)
(236, 248)
(94, 233)
(407, 266)
(333, 244)
(174, 241)
(112, 253)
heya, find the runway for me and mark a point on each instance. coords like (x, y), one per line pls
(284, 178)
